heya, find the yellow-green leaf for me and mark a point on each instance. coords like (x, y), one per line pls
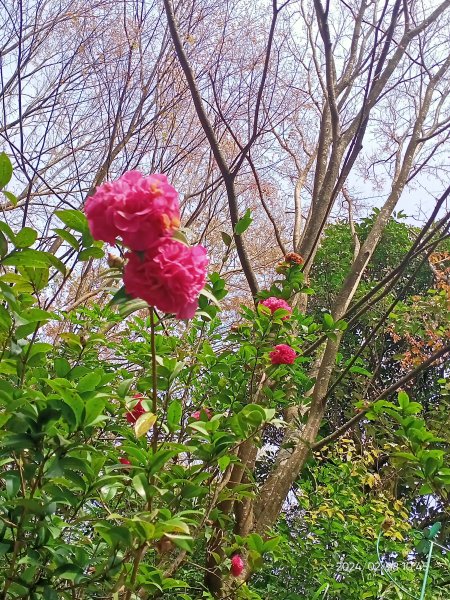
(144, 423)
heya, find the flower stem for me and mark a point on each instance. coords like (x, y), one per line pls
(154, 380)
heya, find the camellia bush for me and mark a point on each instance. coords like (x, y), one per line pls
(116, 452)
(122, 454)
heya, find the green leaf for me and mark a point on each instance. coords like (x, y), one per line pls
(37, 277)
(205, 292)
(144, 423)
(159, 459)
(68, 571)
(174, 413)
(7, 230)
(423, 546)
(180, 236)
(5, 319)
(272, 543)
(92, 252)
(74, 219)
(70, 397)
(12, 484)
(11, 197)
(24, 331)
(223, 462)
(184, 542)
(94, 408)
(3, 245)
(89, 382)
(360, 371)
(62, 366)
(38, 348)
(33, 258)
(403, 400)
(68, 237)
(115, 535)
(405, 456)
(244, 223)
(141, 485)
(124, 387)
(33, 315)
(120, 297)
(200, 427)
(255, 542)
(328, 320)
(6, 170)
(128, 308)
(434, 530)
(413, 408)
(25, 238)
(430, 467)
(226, 238)
(5, 548)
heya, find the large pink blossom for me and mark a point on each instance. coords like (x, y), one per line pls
(274, 304)
(169, 277)
(282, 354)
(237, 565)
(136, 208)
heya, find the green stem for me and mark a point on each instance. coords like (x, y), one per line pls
(154, 380)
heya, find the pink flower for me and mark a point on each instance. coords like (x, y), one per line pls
(137, 410)
(197, 415)
(138, 209)
(274, 304)
(283, 355)
(124, 460)
(237, 565)
(169, 276)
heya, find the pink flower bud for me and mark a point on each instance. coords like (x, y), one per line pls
(237, 565)
(197, 415)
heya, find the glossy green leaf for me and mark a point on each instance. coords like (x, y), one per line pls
(174, 413)
(74, 219)
(25, 238)
(244, 223)
(6, 170)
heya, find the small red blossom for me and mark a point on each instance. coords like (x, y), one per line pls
(137, 410)
(197, 415)
(274, 304)
(237, 565)
(283, 355)
(124, 460)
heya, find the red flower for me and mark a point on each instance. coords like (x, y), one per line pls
(137, 410)
(237, 565)
(169, 276)
(274, 304)
(197, 415)
(136, 208)
(124, 460)
(283, 355)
